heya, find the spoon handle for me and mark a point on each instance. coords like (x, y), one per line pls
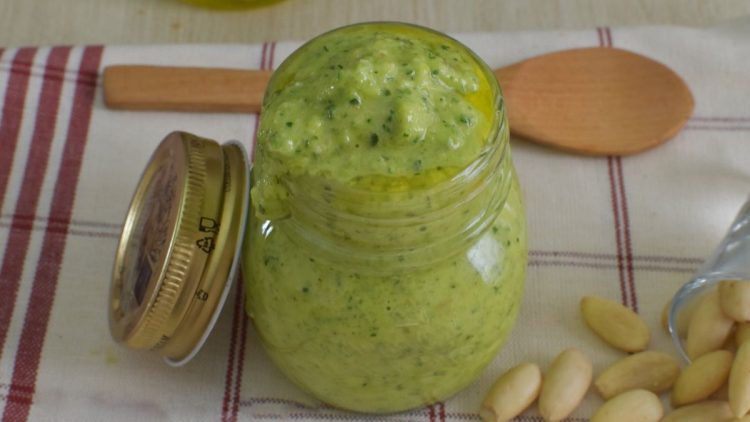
(135, 87)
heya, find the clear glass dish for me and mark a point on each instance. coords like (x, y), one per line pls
(730, 261)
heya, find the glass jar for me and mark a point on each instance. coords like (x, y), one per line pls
(386, 296)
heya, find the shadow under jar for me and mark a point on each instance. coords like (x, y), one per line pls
(384, 268)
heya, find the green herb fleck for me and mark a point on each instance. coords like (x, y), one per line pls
(374, 139)
(268, 260)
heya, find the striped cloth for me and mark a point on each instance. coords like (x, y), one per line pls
(629, 228)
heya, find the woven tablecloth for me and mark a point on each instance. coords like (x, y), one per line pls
(629, 228)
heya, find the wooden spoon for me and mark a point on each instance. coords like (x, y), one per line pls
(596, 101)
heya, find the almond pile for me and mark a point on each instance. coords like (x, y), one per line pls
(715, 386)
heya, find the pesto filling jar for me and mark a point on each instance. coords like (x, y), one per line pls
(385, 252)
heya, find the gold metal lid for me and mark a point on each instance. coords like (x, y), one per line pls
(180, 245)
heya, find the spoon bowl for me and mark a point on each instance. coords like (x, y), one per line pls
(599, 101)
(594, 101)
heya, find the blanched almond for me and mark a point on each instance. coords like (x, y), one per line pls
(614, 323)
(734, 296)
(707, 411)
(702, 378)
(739, 381)
(512, 393)
(709, 328)
(631, 406)
(565, 383)
(650, 370)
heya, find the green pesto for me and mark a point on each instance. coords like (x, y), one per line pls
(369, 101)
(428, 277)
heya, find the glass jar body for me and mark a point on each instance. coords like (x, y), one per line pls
(388, 339)
(381, 291)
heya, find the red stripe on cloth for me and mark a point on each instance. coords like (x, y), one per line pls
(626, 231)
(58, 229)
(227, 408)
(595, 266)
(51, 220)
(720, 119)
(271, 56)
(618, 228)
(19, 237)
(241, 356)
(10, 124)
(601, 256)
(719, 128)
(608, 36)
(264, 56)
(18, 399)
(605, 36)
(625, 245)
(432, 415)
(235, 359)
(619, 209)
(42, 297)
(442, 411)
